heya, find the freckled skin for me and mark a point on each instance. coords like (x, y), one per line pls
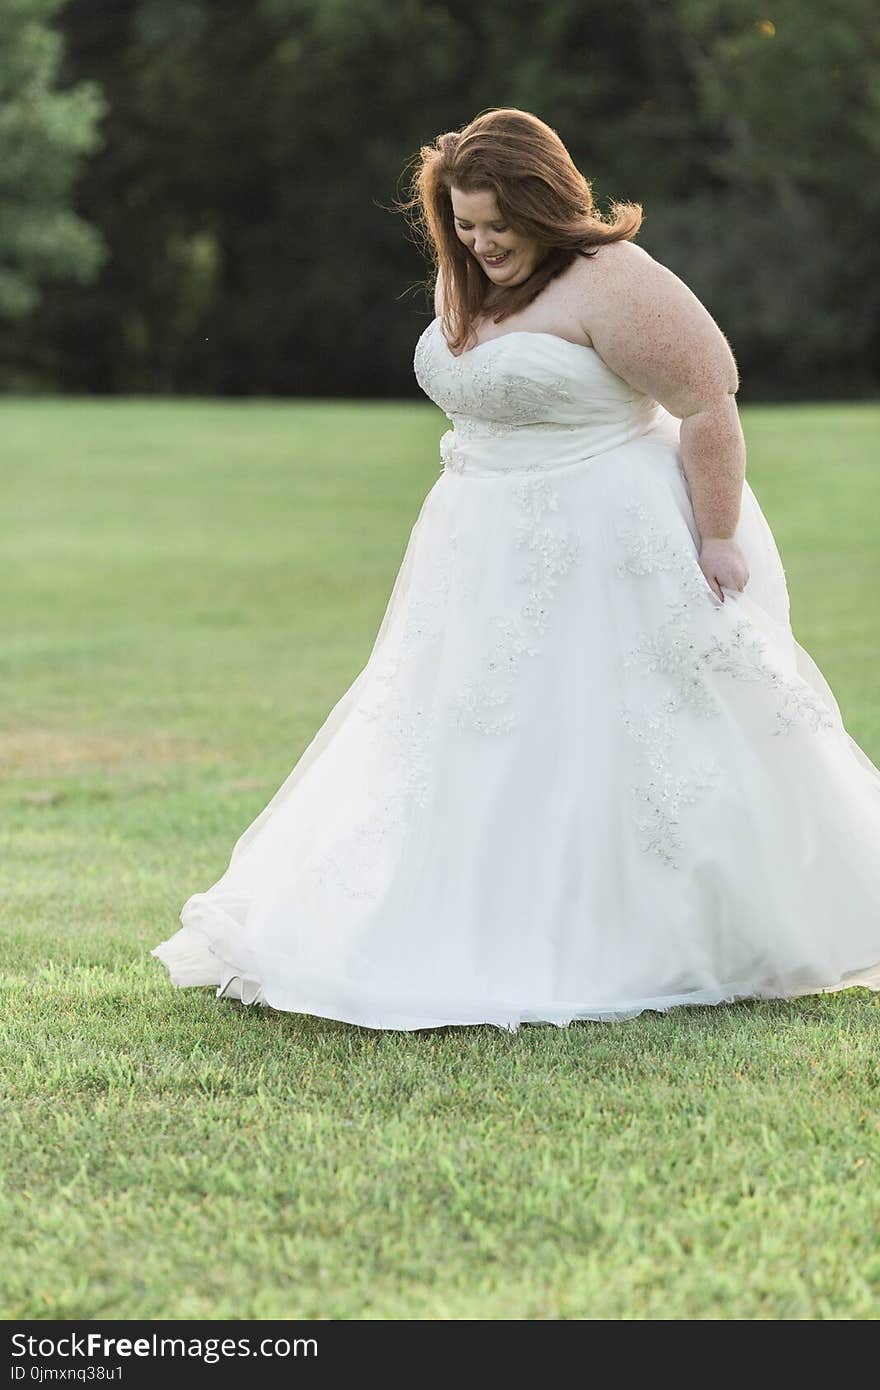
(651, 329)
(654, 332)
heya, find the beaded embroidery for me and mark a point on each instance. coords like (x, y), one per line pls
(496, 402)
(676, 650)
(550, 552)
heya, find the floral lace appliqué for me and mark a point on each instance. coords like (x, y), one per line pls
(451, 453)
(550, 549)
(481, 394)
(678, 650)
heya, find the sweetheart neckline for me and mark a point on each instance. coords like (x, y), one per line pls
(511, 333)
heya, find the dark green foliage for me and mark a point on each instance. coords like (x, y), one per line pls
(253, 150)
(44, 134)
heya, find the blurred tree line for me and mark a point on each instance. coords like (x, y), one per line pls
(229, 229)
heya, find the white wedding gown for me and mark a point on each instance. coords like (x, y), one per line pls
(569, 783)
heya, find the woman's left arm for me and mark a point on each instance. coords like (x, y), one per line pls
(653, 331)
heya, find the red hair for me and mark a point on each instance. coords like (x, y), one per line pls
(540, 193)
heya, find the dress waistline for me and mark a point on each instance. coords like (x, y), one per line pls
(467, 458)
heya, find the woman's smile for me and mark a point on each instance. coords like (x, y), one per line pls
(478, 225)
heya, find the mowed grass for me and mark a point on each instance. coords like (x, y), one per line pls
(189, 587)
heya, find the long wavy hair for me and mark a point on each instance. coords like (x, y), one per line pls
(540, 193)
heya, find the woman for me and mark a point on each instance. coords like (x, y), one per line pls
(587, 770)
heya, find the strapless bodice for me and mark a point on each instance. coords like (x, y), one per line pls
(526, 399)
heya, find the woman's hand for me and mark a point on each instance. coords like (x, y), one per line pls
(724, 564)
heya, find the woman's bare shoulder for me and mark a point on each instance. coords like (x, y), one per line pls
(591, 288)
(651, 328)
(623, 285)
(612, 253)
(614, 263)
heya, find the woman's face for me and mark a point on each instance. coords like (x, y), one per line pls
(505, 257)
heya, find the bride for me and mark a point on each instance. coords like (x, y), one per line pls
(587, 769)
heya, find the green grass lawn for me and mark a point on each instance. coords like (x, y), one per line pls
(189, 587)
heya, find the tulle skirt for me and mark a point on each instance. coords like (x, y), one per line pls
(569, 782)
